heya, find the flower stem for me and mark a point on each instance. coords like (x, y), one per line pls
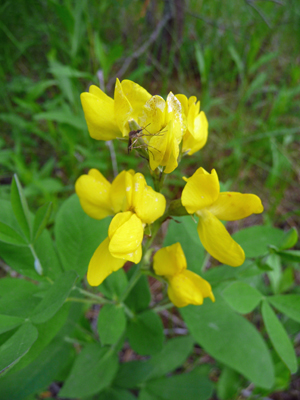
(163, 307)
(95, 297)
(133, 280)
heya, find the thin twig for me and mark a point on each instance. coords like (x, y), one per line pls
(113, 156)
(140, 51)
(251, 4)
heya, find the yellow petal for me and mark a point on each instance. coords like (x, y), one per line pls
(148, 204)
(101, 95)
(164, 149)
(99, 116)
(201, 284)
(231, 206)
(194, 142)
(136, 95)
(122, 109)
(93, 191)
(201, 190)
(177, 116)
(182, 291)
(102, 264)
(126, 233)
(217, 241)
(121, 191)
(169, 261)
(152, 116)
(184, 103)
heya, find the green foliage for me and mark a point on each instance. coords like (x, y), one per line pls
(239, 60)
(93, 370)
(145, 333)
(77, 235)
(231, 339)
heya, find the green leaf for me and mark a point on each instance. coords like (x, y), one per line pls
(190, 386)
(46, 331)
(279, 337)
(17, 346)
(290, 239)
(256, 239)
(93, 370)
(16, 291)
(9, 235)
(139, 297)
(114, 285)
(228, 384)
(116, 394)
(289, 255)
(242, 297)
(77, 235)
(185, 232)
(22, 260)
(111, 323)
(145, 333)
(231, 339)
(275, 275)
(8, 322)
(288, 304)
(54, 298)
(144, 395)
(40, 220)
(172, 356)
(37, 375)
(131, 374)
(20, 207)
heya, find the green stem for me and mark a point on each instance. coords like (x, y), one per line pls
(128, 312)
(163, 307)
(206, 258)
(98, 299)
(78, 300)
(133, 280)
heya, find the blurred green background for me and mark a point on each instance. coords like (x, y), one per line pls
(240, 58)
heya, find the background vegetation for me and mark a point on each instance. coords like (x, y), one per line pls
(240, 58)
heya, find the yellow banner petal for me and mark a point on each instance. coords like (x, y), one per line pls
(231, 206)
(152, 117)
(217, 241)
(93, 191)
(136, 95)
(148, 204)
(123, 110)
(121, 191)
(102, 264)
(194, 142)
(201, 190)
(100, 117)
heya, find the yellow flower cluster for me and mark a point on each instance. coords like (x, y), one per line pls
(135, 204)
(169, 123)
(173, 127)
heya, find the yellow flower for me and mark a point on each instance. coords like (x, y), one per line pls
(201, 195)
(195, 136)
(100, 198)
(136, 203)
(107, 118)
(166, 124)
(185, 287)
(124, 243)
